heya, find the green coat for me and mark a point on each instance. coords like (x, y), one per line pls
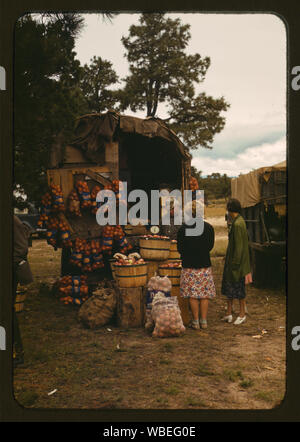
(237, 260)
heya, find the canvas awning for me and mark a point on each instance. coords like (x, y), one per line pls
(93, 130)
(246, 188)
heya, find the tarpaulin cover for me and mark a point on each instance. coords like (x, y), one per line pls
(246, 188)
(93, 130)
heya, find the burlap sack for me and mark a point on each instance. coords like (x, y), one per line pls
(98, 309)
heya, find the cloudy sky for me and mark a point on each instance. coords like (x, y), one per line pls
(248, 68)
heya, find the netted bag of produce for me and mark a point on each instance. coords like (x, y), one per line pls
(52, 231)
(97, 257)
(74, 203)
(94, 203)
(57, 198)
(124, 245)
(87, 258)
(45, 210)
(79, 290)
(167, 317)
(84, 194)
(155, 285)
(77, 252)
(165, 285)
(65, 234)
(107, 239)
(73, 289)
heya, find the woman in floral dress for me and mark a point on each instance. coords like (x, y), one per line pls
(196, 281)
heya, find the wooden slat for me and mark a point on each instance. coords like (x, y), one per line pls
(53, 176)
(66, 183)
(112, 158)
(97, 177)
(83, 169)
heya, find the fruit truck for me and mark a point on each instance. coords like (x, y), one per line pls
(145, 153)
(262, 194)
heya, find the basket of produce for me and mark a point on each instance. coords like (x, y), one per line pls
(172, 270)
(154, 247)
(130, 271)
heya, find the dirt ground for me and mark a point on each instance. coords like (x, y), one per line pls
(223, 367)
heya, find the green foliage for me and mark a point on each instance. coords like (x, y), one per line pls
(47, 98)
(161, 72)
(214, 185)
(95, 80)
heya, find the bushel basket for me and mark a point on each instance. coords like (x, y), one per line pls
(155, 249)
(131, 275)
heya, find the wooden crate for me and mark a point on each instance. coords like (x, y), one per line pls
(183, 305)
(65, 177)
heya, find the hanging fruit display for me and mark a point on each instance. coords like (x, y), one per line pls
(73, 289)
(57, 204)
(94, 204)
(65, 234)
(52, 231)
(193, 184)
(84, 194)
(96, 253)
(74, 203)
(107, 238)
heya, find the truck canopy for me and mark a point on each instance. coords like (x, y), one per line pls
(249, 188)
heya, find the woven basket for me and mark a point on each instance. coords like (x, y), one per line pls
(131, 275)
(174, 254)
(155, 249)
(20, 299)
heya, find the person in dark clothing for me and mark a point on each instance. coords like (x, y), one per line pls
(237, 271)
(196, 282)
(22, 274)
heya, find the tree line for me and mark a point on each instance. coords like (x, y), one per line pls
(215, 185)
(52, 88)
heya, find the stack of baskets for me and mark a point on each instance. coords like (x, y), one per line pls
(20, 299)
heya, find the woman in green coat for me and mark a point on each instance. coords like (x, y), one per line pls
(237, 263)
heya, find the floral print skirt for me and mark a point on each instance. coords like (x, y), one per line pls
(197, 283)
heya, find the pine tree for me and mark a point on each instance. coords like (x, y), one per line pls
(162, 72)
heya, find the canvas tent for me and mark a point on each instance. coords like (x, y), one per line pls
(247, 188)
